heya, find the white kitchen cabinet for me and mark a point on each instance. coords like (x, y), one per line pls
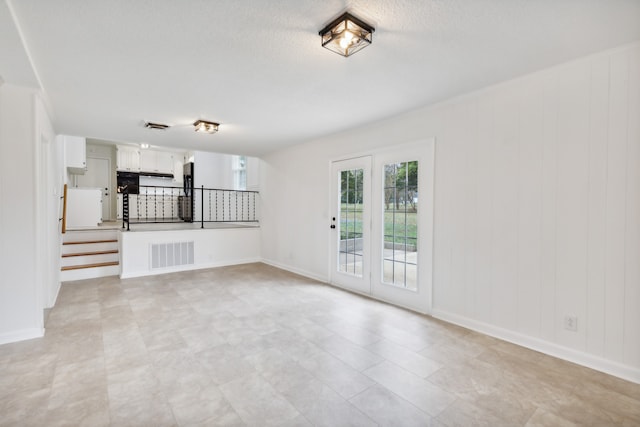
(165, 162)
(75, 154)
(128, 159)
(133, 206)
(156, 161)
(148, 161)
(119, 206)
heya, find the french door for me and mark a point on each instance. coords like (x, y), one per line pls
(383, 218)
(351, 224)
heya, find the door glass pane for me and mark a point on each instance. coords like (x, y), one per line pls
(400, 246)
(351, 195)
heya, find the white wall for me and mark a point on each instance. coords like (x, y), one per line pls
(54, 189)
(212, 248)
(213, 170)
(537, 207)
(50, 180)
(253, 174)
(20, 294)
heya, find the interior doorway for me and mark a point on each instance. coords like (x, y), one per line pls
(98, 175)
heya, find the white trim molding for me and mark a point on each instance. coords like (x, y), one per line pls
(610, 367)
(294, 270)
(22, 335)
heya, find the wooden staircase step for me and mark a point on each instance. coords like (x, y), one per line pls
(115, 251)
(98, 264)
(90, 242)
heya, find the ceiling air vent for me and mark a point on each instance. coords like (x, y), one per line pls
(156, 126)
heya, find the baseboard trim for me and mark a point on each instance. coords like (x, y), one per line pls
(620, 370)
(22, 335)
(189, 268)
(294, 270)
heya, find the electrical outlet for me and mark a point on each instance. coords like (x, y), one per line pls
(571, 323)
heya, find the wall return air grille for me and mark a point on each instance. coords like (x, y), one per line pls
(164, 255)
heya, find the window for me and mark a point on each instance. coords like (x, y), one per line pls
(239, 167)
(400, 243)
(351, 198)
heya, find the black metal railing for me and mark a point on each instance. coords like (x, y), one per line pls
(125, 210)
(218, 205)
(156, 204)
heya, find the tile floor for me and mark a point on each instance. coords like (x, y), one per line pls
(253, 345)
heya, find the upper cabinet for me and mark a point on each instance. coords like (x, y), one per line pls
(156, 161)
(128, 159)
(148, 161)
(165, 162)
(75, 154)
(132, 159)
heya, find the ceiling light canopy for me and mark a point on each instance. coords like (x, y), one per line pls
(347, 35)
(205, 126)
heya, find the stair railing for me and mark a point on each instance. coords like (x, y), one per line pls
(125, 209)
(63, 220)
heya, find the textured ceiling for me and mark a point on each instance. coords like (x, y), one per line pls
(257, 66)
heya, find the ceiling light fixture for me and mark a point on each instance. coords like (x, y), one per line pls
(347, 35)
(155, 126)
(144, 145)
(205, 126)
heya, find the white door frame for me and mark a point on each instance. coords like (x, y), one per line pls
(424, 152)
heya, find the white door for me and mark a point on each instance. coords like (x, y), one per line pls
(351, 224)
(402, 236)
(382, 224)
(98, 175)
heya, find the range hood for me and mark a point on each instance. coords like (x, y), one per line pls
(156, 174)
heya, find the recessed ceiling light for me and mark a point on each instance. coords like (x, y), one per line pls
(205, 126)
(155, 126)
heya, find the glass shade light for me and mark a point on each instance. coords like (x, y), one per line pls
(205, 126)
(347, 35)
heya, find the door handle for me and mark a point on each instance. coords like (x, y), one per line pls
(332, 226)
